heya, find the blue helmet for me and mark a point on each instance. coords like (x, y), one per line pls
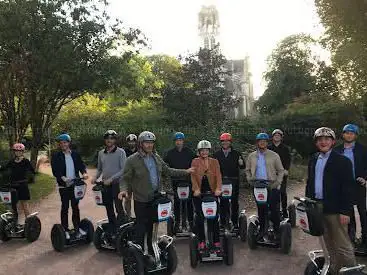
(261, 136)
(351, 128)
(64, 137)
(178, 135)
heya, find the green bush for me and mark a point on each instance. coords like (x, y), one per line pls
(298, 172)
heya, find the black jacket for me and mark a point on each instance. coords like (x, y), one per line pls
(229, 166)
(59, 167)
(284, 153)
(360, 166)
(337, 184)
(179, 160)
(128, 152)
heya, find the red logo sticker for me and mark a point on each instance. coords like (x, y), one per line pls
(209, 211)
(98, 198)
(260, 197)
(183, 194)
(80, 193)
(6, 198)
(226, 192)
(164, 213)
(303, 223)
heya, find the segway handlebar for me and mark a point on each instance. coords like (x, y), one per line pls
(305, 199)
(260, 183)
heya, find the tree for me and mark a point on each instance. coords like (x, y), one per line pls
(346, 37)
(294, 71)
(199, 97)
(63, 47)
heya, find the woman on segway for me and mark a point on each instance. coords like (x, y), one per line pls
(206, 178)
(21, 173)
(66, 166)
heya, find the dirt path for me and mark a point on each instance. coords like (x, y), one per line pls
(39, 258)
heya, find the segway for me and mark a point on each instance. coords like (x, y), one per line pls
(241, 231)
(165, 257)
(310, 219)
(59, 238)
(209, 254)
(183, 193)
(9, 229)
(267, 237)
(104, 237)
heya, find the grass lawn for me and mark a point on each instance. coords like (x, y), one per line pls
(43, 186)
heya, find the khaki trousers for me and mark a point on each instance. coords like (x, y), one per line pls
(127, 205)
(338, 244)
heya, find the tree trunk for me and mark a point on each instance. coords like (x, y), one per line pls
(36, 143)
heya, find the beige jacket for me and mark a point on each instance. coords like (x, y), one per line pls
(274, 167)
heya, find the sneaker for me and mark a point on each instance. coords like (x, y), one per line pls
(217, 247)
(67, 235)
(201, 246)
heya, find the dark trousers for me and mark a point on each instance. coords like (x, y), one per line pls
(67, 197)
(144, 223)
(187, 210)
(224, 206)
(283, 193)
(361, 206)
(213, 224)
(274, 205)
(111, 203)
(14, 203)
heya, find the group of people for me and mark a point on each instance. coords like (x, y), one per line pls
(336, 179)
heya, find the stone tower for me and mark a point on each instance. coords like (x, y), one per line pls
(209, 26)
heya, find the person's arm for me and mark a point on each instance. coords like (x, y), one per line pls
(279, 169)
(81, 167)
(287, 158)
(122, 165)
(194, 182)
(99, 165)
(308, 193)
(243, 165)
(166, 158)
(127, 175)
(168, 171)
(248, 168)
(56, 171)
(346, 183)
(5, 167)
(218, 176)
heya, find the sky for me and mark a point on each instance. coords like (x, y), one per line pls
(247, 27)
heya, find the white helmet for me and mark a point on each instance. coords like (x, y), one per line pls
(131, 137)
(146, 136)
(324, 132)
(277, 131)
(204, 144)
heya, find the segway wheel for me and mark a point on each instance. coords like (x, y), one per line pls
(170, 227)
(32, 228)
(125, 235)
(3, 235)
(252, 235)
(133, 262)
(243, 227)
(58, 238)
(88, 227)
(228, 249)
(194, 253)
(285, 238)
(98, 238)
(292, 215)
(312, 269)
(171, 256)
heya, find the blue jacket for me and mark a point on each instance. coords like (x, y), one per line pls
(59, 167)
(360, 166)
(338, 183)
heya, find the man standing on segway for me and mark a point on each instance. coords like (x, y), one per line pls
(142, 177)
(111, 162)
(180, 157)
(331, 182)
(266, 165)
(285, 156)
(230, 161)
(357, 153)
(66, 166)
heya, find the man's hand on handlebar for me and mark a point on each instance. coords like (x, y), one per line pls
(218, 193)
(196, 193)
(85, 176)
(344, 219)
(107, 182)
(123, 194)
(191, 170)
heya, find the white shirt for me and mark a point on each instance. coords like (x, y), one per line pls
(69, 163)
